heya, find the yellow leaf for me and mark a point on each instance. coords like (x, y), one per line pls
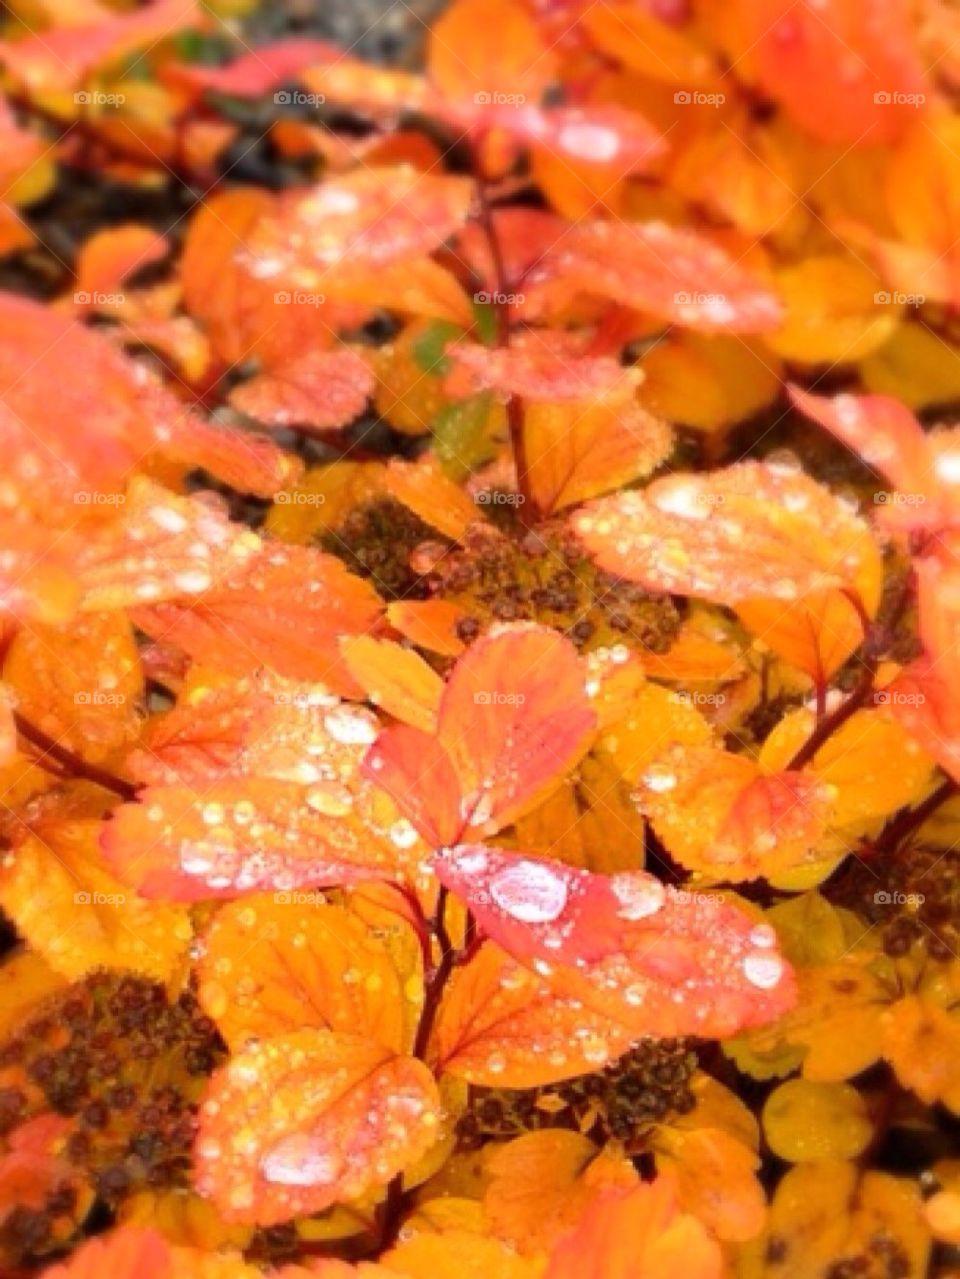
(78, 916)
(324, 497)
(832, 313)
(804, 1120)
(26, 979)
(916, 366)
(716, 1178)
(396, 679)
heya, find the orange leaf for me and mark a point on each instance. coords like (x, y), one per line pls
(310, 1119)
(319, 389)
(303, 964)
(430, 624)
(718, 815)
(541, 1183)
(627, 1233)
(80, 684)
(537, 373)
(576, 452)
(752, 530)
(675, 274)
(108, 257)
(425, 490)
(502, 1026)
(862, 54)
(479, 46)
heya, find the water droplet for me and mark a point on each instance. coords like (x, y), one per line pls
(763, 971)
(639, 895)
(298, 1161)
(349, 728)
(530, 892)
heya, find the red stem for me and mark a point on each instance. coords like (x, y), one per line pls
(72, 765)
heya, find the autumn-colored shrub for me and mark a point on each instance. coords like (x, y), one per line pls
(479, 620)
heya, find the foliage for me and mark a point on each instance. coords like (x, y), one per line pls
(479, 615)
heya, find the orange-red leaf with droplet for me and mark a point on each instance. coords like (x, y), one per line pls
(751, 531)
(924, 469)
(286, 608)
(309, 1119)
(244, 835)
(371, 216)
(674, 273)
(513, 719)
(55, 373)
(656, 960)
(318, 389)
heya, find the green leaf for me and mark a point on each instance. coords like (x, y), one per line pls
(430, 348)
(462, 440)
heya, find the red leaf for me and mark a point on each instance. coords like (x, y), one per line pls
(125, 1253)
(513, 719)
(413, 767)
(319, 389)
(370, 216)
(655, 959)
(260, 70)
(309, 1119)
(538, 908)
(673, 273)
